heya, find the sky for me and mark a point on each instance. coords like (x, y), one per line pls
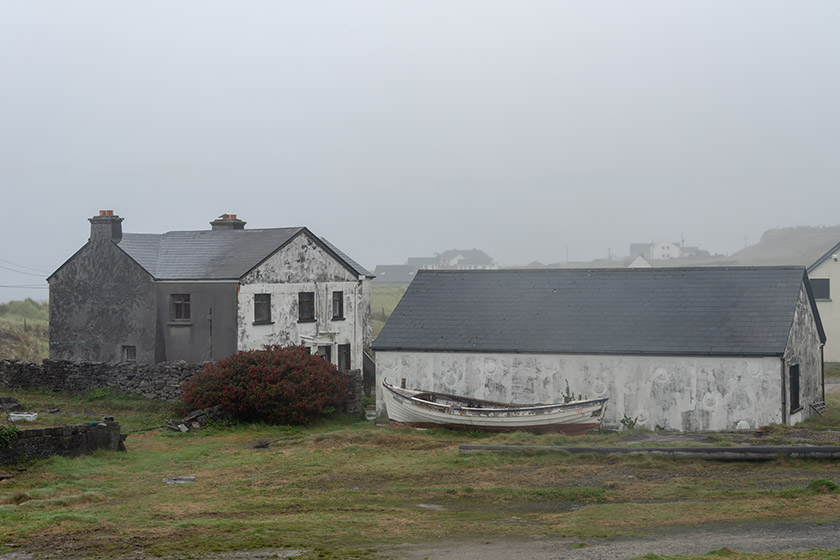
(405, 128)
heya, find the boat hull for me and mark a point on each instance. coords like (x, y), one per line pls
(419, 410)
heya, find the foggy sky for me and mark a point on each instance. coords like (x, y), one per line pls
(399, 129)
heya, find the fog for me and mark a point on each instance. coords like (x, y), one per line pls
(399, 129)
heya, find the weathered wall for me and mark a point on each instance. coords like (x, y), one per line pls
(158, 381)
(803, 348)
(101, 300)
(681, 393)
(69, 441)
(828, 309)
(154, 381)
(304, 266)
(191, 341)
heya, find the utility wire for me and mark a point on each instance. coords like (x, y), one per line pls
(24, 266)
(21, 272)
(29, 287)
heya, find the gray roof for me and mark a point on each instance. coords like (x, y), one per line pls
(671, 311)
(212, 255)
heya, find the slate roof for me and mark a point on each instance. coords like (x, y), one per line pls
(213, 255)
(670, 311)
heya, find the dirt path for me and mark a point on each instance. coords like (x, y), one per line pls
(748, 537)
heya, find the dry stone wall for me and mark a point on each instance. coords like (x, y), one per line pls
(69, 441)
(155, 381)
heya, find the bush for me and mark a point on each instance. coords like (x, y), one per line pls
(278, 385)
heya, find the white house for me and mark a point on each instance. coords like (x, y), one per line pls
(678, 348)
(824, 272)
(203, 295)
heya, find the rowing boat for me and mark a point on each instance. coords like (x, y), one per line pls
(426, 409)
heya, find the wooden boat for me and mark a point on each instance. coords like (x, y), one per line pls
(426, 409)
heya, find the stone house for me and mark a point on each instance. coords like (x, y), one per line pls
(203, 295)
(678, 348)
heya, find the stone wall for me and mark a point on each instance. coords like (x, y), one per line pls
(154, 381)
(69, 441)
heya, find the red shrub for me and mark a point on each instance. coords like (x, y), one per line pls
(278, 385)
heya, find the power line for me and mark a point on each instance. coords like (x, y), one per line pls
(21, 272)
(24, 266)
(30, 287)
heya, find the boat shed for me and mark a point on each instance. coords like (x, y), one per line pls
(686, 349)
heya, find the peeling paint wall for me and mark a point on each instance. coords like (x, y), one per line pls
(804, 351)
(100, 301)
(674, 392)
(304, 266)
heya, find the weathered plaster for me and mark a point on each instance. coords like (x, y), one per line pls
(801, 349)
(304, 266)
(200, 339)
(101, 300)
(683, 393)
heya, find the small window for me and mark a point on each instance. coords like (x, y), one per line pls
(180, 307)
(821, 288)
(129, 353)
(325, 352)
(794, 388)
(343, 357)
(306, 306)
(338, 305)
(262, 308)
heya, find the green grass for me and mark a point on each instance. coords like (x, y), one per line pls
(383, 300)
(832, 371)
(24, 330)
(343, 488)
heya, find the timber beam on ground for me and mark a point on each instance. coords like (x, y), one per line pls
(734, 453)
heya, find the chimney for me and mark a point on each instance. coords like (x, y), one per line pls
(105, 227)
(227, 221)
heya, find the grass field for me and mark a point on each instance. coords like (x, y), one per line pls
(24, 330)
(383, 300)
(344, 489)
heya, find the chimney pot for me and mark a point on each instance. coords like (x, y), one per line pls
(105, 226)
(227, 222)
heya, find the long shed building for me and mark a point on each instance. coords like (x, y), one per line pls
(687, 349)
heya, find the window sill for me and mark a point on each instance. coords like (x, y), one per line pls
(263, 323)
(306, 320)
(179, 324)
(795, 410)
(338, 319)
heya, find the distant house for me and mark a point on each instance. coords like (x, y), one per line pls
(203, 295)
(665, 250)
(821, 272)
(453, 259)
(678, 348)
(639, 262)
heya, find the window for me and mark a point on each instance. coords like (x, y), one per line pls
(794, 388)
(180, 307)
(821, 288)
(343, 357)
(262, 308)
(338, 305)
(325, 352)
(129, 353)
(306, 307)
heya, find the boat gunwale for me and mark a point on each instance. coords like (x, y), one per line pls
(499, 408)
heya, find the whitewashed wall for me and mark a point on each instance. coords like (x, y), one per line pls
(674, 392)
(303, 266)
(829, 310)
